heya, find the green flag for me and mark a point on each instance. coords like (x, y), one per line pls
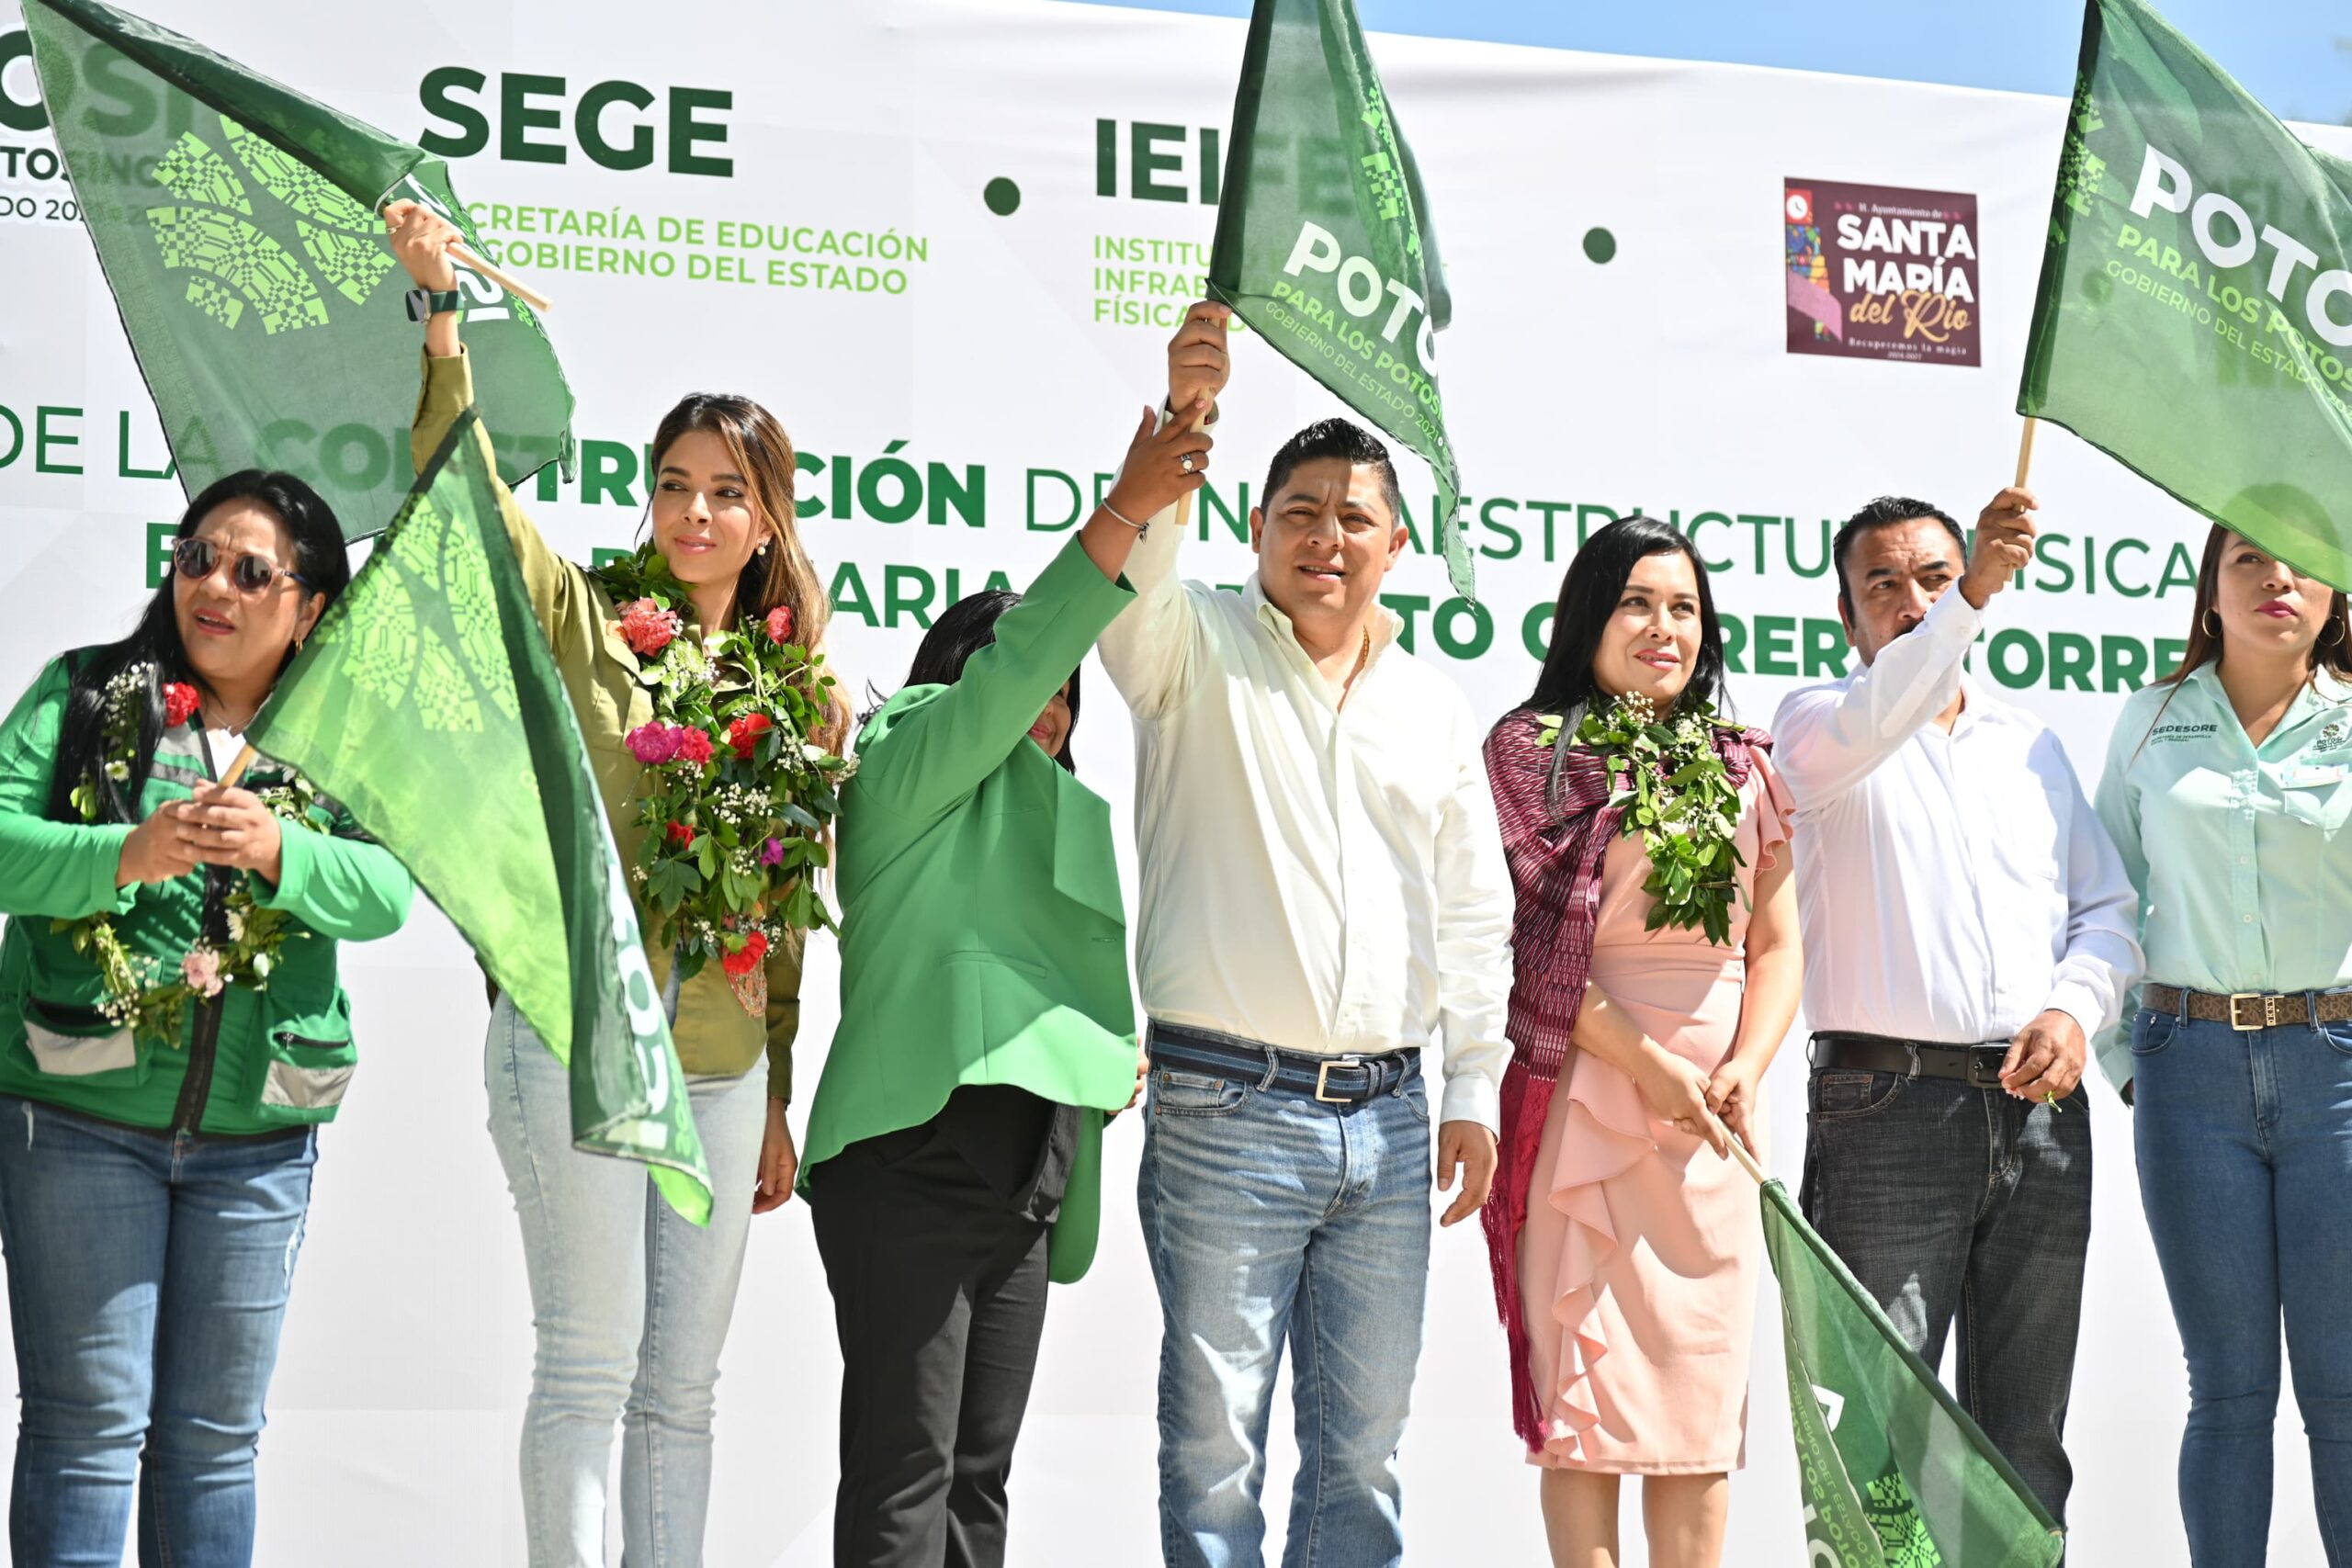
(427, 701)
(2195, 313)
(1892, 1472)
(236, 222)
(1323, 238)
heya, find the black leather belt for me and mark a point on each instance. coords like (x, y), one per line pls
(2248, 1010)
(1334, 1080)
(1978, 1066)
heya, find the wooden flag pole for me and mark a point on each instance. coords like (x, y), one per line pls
(237, 769)
(2025, 451)
(531, 297)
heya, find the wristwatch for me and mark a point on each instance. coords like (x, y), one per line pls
(424, 304)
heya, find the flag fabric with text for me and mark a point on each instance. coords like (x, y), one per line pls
(1892, 1472)
(236, 221)
(428, 703)
(1323, 239)
(2195, 313)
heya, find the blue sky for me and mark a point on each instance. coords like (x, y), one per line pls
(2295, 55)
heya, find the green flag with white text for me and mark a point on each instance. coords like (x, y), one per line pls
(1323, 238)
(2195, 313)
(1891, 1471)
(427, 701)
(236, 222)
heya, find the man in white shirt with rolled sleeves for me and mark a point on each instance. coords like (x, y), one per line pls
(1324, 895)
(1967, 928)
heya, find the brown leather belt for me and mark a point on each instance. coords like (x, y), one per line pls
(2246, 1010)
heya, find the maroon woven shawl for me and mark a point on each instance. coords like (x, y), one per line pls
(1557, 826)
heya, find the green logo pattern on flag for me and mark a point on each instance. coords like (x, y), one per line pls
(1323, 238)
(1892, 1472)
(236, 222)
(428, 703)
(2194, 319)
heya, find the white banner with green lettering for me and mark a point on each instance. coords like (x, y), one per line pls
(946, 243)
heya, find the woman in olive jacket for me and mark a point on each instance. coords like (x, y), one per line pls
(171, 1032)
(987, 1026)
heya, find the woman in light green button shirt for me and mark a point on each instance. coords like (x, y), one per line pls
(2227, 788)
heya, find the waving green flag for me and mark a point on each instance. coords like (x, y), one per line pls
(2195, 314)
(1323, 238)
(427, 703)
(236, 222)
(1892, 1472)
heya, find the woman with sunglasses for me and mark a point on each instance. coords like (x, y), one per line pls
(159, 1105)
(632, 1304)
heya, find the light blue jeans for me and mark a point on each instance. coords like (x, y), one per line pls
(1271, 1216)
(148, 1276)
(631, 1306)
(2245, 1170)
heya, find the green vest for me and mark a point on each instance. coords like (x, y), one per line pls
(983, 938)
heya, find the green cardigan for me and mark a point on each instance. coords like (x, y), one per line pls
(983, 939)
(256, 1060)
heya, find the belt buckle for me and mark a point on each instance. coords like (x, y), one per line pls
(2270, 1019)
(1323, 1077)
(1990, 1065)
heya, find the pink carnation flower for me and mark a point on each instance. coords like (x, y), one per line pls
(201, 970)
(694, 746)
(654, 742)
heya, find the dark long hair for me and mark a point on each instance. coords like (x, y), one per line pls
(1589, 595)
(962, 630)
(782, 575)
(320, 561)
(2334, 651)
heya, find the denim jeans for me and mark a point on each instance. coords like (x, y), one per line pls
(148, 1275)
(632, 1305)
(1270, 1215)
(1948, 1201)
(2245, 1172)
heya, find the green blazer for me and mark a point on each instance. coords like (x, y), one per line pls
(983, 939)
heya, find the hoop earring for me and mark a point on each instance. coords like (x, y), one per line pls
(2335, 626)
(2208, 624)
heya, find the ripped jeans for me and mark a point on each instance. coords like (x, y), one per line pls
(148, 1275)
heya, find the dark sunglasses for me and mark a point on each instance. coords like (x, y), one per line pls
(195, 560)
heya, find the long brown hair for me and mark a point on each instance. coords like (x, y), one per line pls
(782, 575)
(2334, 647)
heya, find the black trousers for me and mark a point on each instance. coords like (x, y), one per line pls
(939, 1301)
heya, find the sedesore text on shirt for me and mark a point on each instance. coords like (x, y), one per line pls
(2238, 851)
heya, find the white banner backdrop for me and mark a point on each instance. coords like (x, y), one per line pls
(946, 244)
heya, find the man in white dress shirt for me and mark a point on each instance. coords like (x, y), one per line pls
(1324, 895)
(1967, 928)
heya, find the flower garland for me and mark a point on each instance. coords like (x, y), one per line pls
(1677, 794)
(736, 797)
(136, 995)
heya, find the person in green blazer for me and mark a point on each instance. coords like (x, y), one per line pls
(987, 1027)
(173, 1033)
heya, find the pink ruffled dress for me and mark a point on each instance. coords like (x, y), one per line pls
(1638, 1264)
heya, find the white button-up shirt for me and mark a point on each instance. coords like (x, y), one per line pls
(1322, 877)
(1949, 887)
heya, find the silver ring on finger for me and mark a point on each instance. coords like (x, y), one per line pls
(1185, 462)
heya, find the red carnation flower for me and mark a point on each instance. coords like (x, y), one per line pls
(179, 701)
(680, 834)
(745, 732)
(694, 747)
(746, 958)
(648, 627)
(780, 623)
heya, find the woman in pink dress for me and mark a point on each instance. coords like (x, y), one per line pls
(1648, 998)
